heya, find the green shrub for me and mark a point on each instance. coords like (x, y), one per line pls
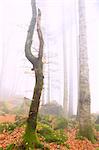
(61, 123)
(79, 137)
(44, 129)
(51, 135)
(45, 119)
(97, 127)
(53, 121)
(2, 127)
(7, 127)
(61, 137)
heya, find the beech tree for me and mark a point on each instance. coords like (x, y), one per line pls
(84, 103)
(30, 137)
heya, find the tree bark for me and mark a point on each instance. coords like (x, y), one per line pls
(30, 137)
(84, 116)
(30, 33)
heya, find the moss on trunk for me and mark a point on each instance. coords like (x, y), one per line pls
(30, 138)
(87, 131)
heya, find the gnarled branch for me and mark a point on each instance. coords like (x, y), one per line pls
(28, 42)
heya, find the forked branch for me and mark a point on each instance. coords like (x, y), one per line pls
(30, 33)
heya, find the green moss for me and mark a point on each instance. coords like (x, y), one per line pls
(87, 132)
(10, 147)
(30, 139)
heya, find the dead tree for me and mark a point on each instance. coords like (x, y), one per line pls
(30, 133)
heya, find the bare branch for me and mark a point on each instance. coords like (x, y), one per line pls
(40, 36)
(28, 43)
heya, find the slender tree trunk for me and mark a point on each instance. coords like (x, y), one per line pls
(65, 96)
(30, 137)
(49, 78)
(70, 111)
(30, 133)
(85, 128)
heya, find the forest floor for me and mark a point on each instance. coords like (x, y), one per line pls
(74, 144)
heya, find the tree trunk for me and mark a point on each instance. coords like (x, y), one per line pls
(85, 128)
(30, 138)
(65, 93)
(70, 109)
(30, 133)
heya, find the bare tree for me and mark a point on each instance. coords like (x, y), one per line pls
(30, 137)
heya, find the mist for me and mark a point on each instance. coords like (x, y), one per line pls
(16, 78)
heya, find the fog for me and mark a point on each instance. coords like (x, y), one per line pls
(16, 77)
